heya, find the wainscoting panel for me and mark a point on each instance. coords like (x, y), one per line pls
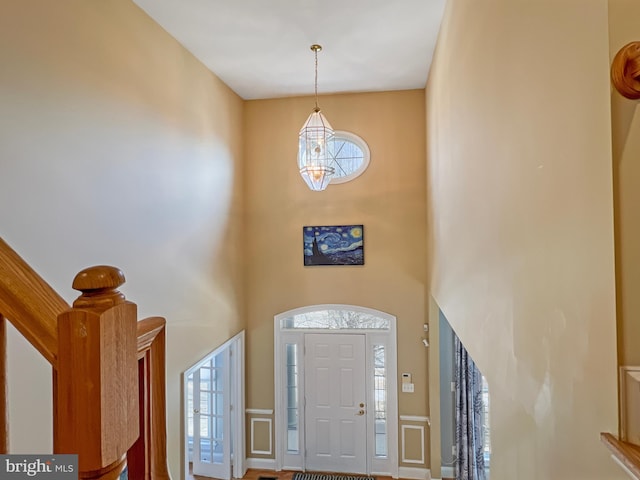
(261, 435)
(260, 441)
(413, 444)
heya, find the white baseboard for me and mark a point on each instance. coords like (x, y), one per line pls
(261, 463)
(414, 473)
(409, 473)
(448, 472)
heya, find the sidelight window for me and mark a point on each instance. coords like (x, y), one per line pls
(380, 400)
(293, 424)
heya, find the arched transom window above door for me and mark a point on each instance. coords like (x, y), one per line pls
(338, 317)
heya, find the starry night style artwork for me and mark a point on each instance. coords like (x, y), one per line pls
(333, 245)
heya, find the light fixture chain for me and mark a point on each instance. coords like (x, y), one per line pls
(316, 78)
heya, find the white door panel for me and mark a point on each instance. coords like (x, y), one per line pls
(336, 427)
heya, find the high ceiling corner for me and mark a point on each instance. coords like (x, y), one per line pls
(262, 49)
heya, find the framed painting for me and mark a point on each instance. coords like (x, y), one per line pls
(333, 245)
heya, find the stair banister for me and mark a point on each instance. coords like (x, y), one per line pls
(147, 458)
(96, 389)
(108, 369)
(29, 303)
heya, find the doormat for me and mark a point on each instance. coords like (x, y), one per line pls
(329, 476)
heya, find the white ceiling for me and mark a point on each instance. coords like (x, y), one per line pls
(260, 48)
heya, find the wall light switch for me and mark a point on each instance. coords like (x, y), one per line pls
(407, 387)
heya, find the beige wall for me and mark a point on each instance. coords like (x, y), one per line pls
(118, 147)
(625, 123)
(389, 199)
(521, 217)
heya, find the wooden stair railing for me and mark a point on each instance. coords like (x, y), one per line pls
(108, 369)
(30, 303)
(32, 307)
(147, 457)
(626, 453)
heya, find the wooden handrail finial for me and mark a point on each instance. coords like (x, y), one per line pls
(99, 287)
(625, 71)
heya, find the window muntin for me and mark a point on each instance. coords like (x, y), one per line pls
(293, 414)
(333, 319)
(209, 404)
(486, 425)
(350, 155)
(380, 400)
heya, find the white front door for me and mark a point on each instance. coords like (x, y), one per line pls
(335, 412)
(211, 418)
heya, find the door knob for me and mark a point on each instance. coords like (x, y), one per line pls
(195, 410)
(360, 413)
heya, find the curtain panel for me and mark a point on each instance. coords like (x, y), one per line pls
(469, 417)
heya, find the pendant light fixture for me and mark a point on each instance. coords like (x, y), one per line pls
(314, 161)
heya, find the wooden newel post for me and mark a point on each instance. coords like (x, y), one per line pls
(96, 395)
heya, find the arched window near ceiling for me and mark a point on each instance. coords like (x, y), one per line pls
(350, 155)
